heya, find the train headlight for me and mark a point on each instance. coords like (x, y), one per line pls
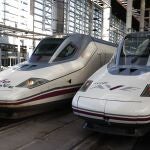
(32, 83)
(86, 85)
(146, 92)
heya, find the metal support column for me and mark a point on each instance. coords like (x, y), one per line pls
(75, 16)
(4, 11)
(142, 15)
(44, 15)
(129, 16)
(67, 3)
(18, 41)
(91, 18)
(32, 4)
(106, 23)
(60, 16)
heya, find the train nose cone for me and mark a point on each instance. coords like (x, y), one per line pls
(11, 94)
(134, 112)
(91, 104)
(120, 97)
(122, 108)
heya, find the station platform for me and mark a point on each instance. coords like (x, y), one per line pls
(49, 131)
(62, 130)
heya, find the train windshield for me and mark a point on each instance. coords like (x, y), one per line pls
(45, 50)
(135, 51)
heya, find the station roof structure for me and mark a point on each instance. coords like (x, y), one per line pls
(119, 8)
(102, 3)
(16, 32)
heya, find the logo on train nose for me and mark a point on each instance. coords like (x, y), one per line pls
(106, 85)
(5, 83)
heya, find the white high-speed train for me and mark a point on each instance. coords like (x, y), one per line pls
(55, 71)
(116, 99)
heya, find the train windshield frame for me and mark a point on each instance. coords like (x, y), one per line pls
(133, 51)
(45, 50)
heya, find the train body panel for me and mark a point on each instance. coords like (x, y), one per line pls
(118, 93)
(56, 70)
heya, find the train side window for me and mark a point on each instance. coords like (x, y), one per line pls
(66, 53)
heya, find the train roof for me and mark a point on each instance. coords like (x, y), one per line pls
(60, 36)
(103, 41)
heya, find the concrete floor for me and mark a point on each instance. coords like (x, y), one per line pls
(61, 130)
(55, 130)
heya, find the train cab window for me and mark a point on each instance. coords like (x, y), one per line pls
(45, 50)
(67, 53)
(135, 51)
